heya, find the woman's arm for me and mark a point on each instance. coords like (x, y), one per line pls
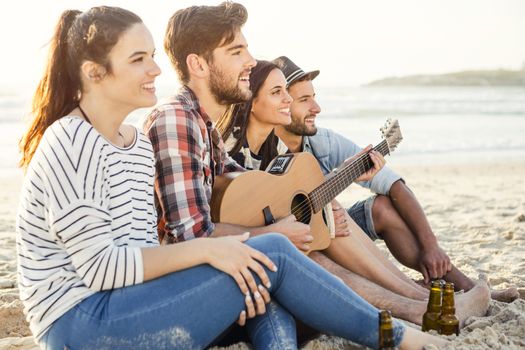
(227, 254)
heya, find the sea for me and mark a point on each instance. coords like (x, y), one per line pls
(440, 125)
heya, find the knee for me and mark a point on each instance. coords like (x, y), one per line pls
(272, 242)
(382, 211)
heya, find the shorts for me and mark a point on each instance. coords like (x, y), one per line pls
(361, 213)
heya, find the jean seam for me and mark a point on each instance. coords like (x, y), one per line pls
(272, 323)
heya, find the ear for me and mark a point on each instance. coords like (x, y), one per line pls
(197, 66)
(92, 72)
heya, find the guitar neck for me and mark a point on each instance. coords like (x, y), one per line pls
(343, 177)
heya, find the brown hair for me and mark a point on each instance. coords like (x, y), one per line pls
(200, 30)
(241, 116)
(78, 37)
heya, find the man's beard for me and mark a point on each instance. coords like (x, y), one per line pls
(224, 94)
(298, 127)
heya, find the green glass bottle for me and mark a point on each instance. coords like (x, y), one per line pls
(431, 316)
(448, 322)
(386, 331)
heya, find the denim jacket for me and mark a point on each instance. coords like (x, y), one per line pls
(331, 149)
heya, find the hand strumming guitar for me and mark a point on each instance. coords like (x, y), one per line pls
(297, 232)
(340, 220)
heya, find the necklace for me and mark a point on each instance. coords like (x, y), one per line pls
(89, 121)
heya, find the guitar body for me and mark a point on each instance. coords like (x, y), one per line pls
(244, 198)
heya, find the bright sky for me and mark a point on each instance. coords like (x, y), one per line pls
(351, 42)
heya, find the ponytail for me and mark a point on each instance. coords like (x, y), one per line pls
(78, 37)
(57, 92)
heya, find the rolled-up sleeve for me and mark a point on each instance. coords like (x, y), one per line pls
(382, 181)
(332, 149)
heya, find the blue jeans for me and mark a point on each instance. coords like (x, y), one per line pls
(188, 309)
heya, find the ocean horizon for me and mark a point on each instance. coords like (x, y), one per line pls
(439, 124)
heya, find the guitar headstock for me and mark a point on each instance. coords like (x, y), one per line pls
(391, 133)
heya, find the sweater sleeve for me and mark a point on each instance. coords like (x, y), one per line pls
(73, 168)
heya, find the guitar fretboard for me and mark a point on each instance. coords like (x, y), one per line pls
(343, 177)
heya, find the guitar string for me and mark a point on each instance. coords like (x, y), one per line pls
(331, 183)
(315, 196)
(306, 204)
(382, 147)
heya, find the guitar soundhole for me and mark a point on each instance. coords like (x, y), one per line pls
(301, 208)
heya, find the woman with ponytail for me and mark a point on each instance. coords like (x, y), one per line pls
(91, 272)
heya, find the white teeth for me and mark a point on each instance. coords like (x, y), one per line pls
(148, 86)
(284, 110)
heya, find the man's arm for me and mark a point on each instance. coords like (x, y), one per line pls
(179, 180)
(297, 232)
(432, 257)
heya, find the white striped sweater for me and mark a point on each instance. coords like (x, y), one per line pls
(86, 208)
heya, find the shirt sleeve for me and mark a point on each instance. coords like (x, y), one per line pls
(179, 184)
(84, 228)
(78, 214)
(343, 148)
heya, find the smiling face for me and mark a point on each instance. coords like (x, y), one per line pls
(304, 109)
(133, 70)
(230, 69)
(272, 103)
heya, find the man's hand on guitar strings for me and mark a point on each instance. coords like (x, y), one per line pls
(297, 232)
(377, 159)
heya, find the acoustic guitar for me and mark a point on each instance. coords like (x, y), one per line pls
(292, 184)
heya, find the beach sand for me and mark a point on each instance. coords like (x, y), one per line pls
(476, 210)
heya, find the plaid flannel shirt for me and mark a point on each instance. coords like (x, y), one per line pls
(182, 135)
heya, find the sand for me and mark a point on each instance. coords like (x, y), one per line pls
(477, 211)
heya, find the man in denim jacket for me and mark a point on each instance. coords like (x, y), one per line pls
(393, 213)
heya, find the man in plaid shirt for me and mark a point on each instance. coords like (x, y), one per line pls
(214, 67)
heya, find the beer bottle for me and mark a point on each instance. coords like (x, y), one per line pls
(448, 322)
(431, 316)
(386, 331)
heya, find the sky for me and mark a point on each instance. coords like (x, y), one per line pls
(352, 42)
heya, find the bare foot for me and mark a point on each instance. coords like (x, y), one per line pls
(422, 283)
(415, 339)
(506, 295)
(475, 302)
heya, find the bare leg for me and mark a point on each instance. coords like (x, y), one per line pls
(351, 253)
(358, 234)
(472, 303)
(402, 243)
(400, 306)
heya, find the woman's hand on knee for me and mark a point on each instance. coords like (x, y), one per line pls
(261, 299)
(230, 255)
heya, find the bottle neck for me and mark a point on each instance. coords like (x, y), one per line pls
(386, 331)
(434, 302)
(448, 303)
